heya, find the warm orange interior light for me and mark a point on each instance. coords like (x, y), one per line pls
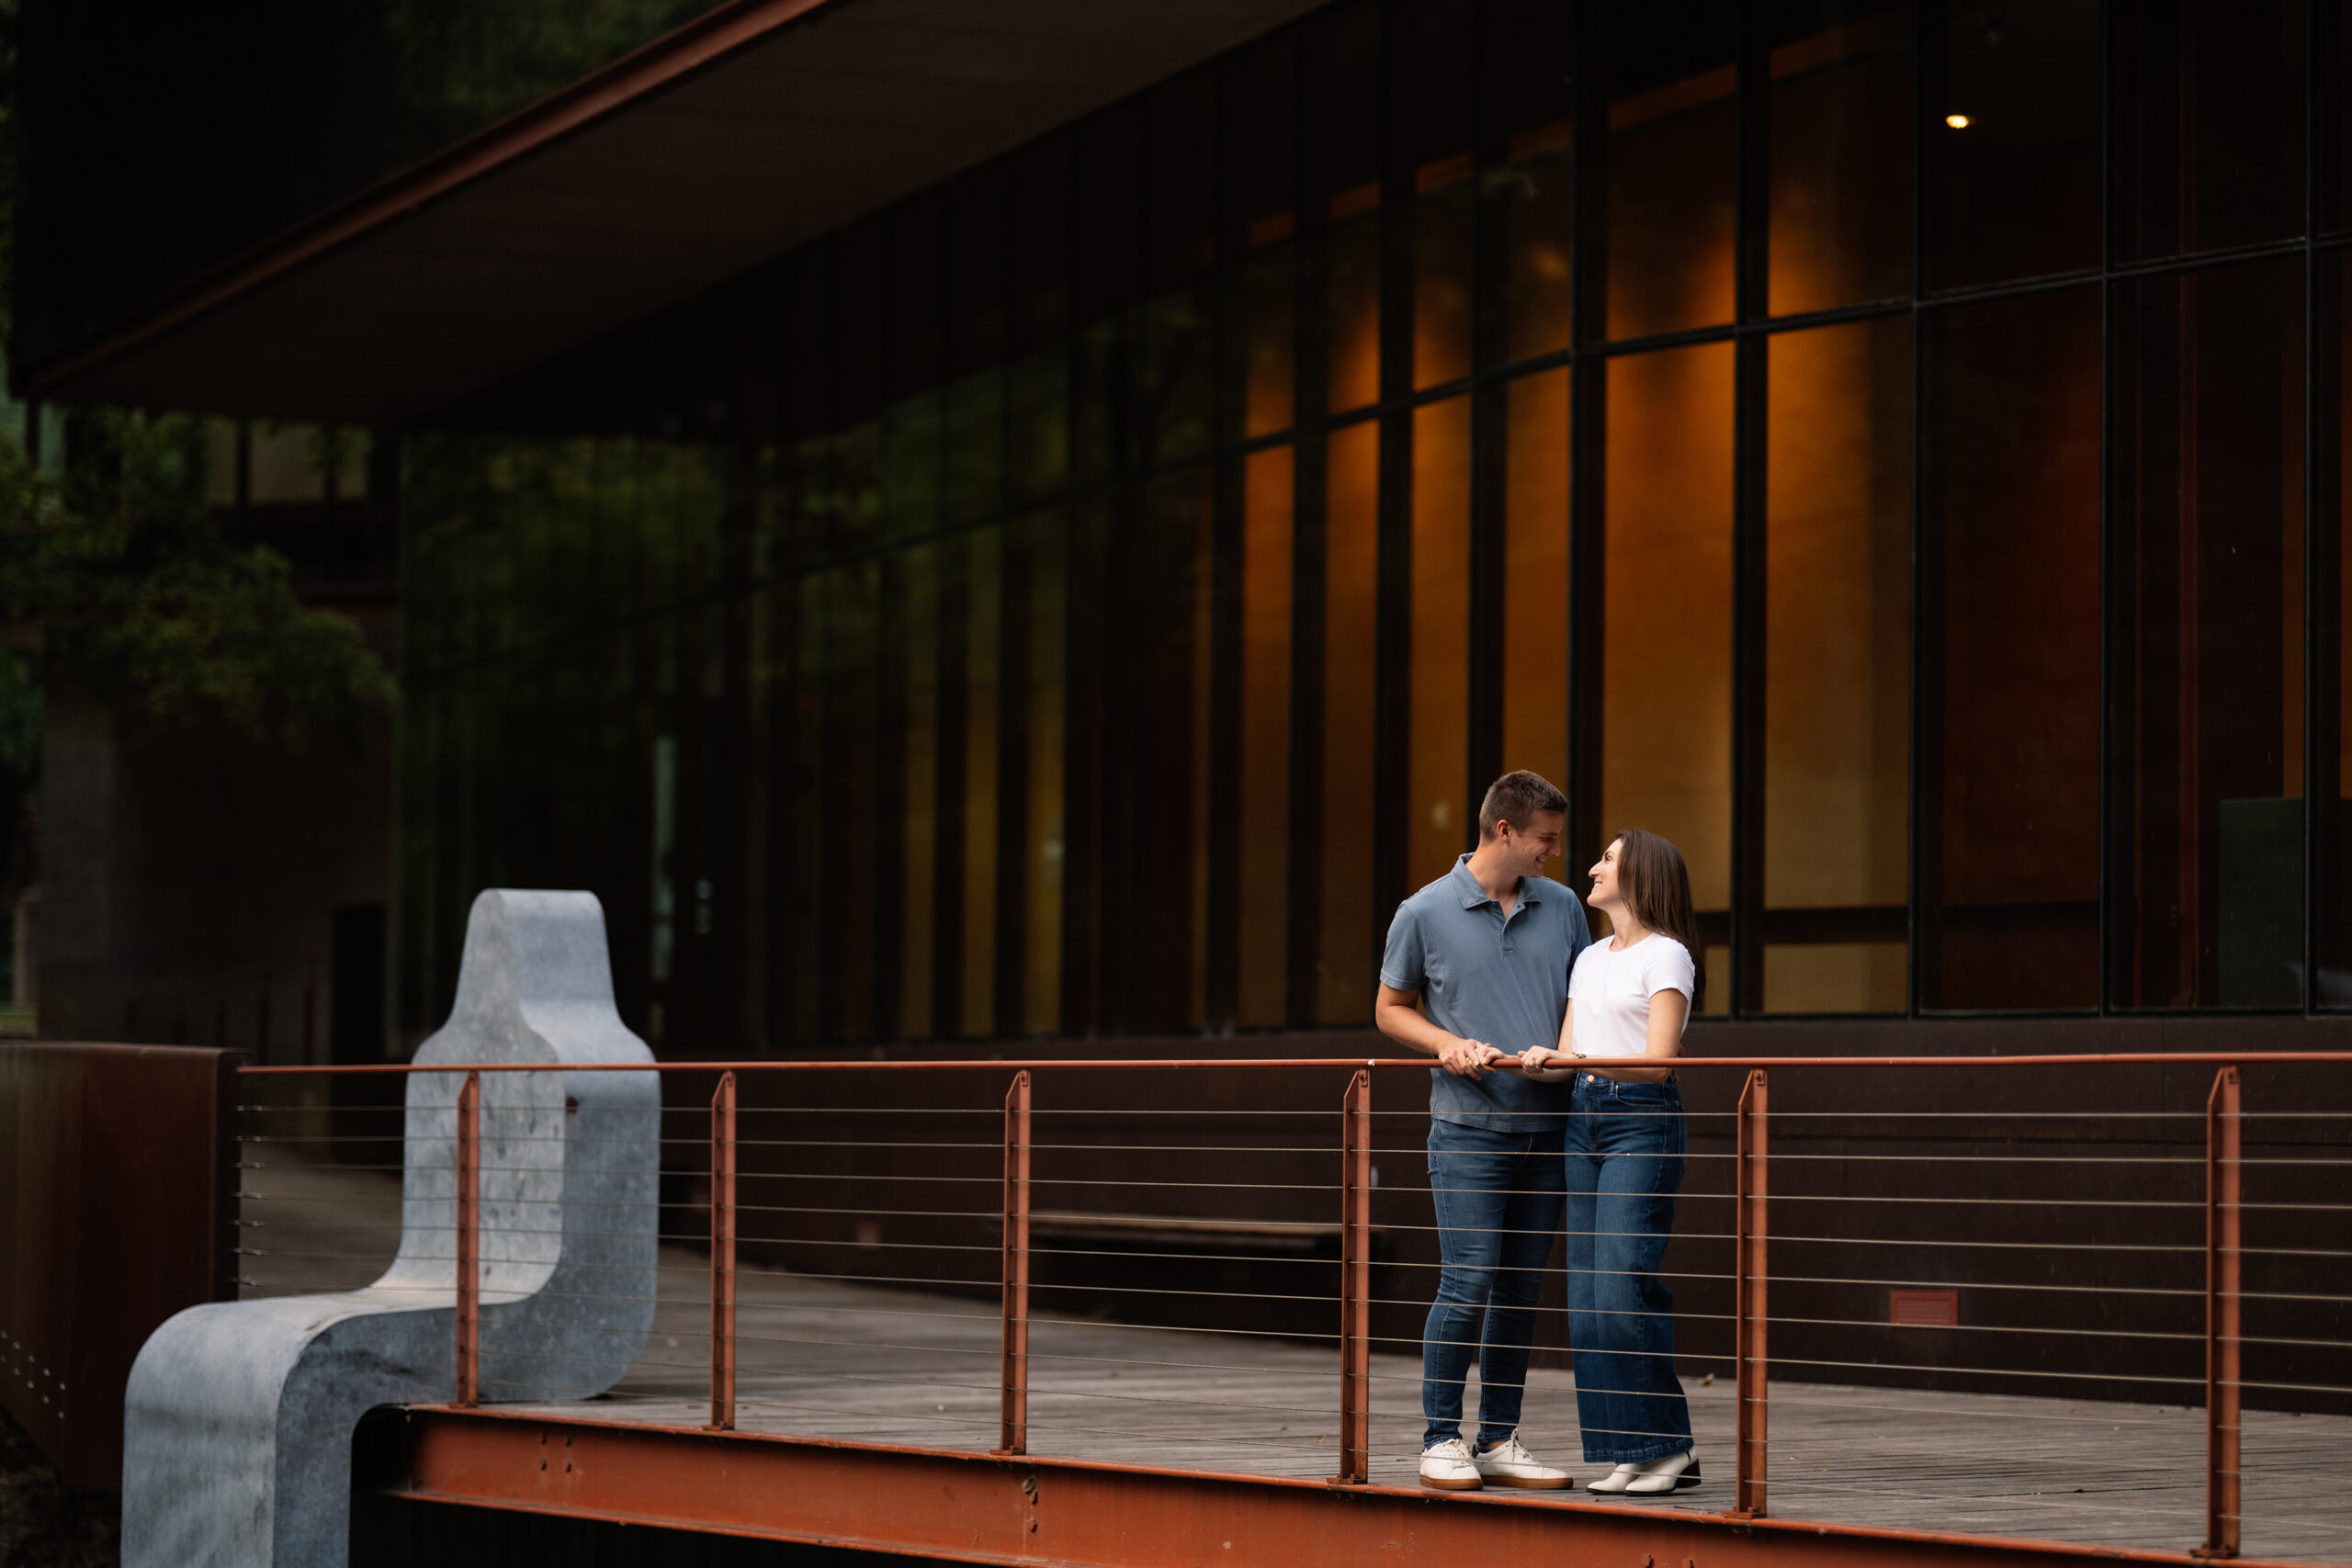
(1957, 121)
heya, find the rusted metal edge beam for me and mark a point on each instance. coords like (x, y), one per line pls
(974, 1507)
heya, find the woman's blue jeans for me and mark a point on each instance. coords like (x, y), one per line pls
(1625, 1144)
(1498, 1197)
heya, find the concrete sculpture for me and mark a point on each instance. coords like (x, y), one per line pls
(239, 1415)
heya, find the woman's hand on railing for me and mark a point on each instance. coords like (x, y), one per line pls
(1542, 1063)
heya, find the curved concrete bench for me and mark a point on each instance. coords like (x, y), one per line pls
(239, 1415)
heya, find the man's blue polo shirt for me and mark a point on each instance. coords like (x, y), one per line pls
(1485, 977)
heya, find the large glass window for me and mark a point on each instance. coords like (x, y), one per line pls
(1263, 900)
(1045, 578)
(1673, 175)
(1834, 933)
(1665, 620)
(2008, 792)
(1083, 596)
(1527, 111)
(1349, 927)
(2012, 142)
(1442, 818)
(1840, 140)
(2209, 105)
(917, 592)
(2328, 757)
(1445, 211)
(1535, 576)
(971, 1003)
(2205, 642)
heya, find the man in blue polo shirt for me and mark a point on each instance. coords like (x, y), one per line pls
(1490, 944)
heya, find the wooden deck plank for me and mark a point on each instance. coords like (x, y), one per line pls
(828, 1358)
(866, 1364)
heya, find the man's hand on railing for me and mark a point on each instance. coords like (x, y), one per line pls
(1399, 1016)
(1467, 1059)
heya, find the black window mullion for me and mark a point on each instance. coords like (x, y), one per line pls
(1929, 35)
(1744, 991)
(1393, 726)
(1486, 663)
(1009, 994)
(2108, 784)
(1223, 969)
(2323, 535)
(1587, 412)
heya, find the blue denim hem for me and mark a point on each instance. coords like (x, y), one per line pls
(1638, 1456)
(1485, 1440)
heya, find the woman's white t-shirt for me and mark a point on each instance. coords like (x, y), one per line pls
(1609, 992)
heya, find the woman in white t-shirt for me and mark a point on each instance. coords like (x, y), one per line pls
(1628, 999)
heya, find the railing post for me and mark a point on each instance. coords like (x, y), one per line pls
(2224, 1241)
(1355, 1283)
(1749, 1270)
(722, 1255)
(468, 1391)
(1013, 1434)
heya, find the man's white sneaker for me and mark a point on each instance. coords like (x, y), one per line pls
(1509, 1463)
(1616, 1480)
(1448, 1467)
(1670, 1473)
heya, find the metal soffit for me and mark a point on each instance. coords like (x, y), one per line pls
(758, 127)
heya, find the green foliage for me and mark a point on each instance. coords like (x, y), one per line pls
(114, 577)
(130, 591)
(457, 66)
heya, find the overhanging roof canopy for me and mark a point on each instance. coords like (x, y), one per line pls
(760, 126)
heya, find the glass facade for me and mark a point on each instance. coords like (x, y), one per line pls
(1892, 450)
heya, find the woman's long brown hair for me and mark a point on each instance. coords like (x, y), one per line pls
(1657, 886)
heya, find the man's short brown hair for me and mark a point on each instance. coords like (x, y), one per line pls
(1517, 798)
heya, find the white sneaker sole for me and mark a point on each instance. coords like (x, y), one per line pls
(1449, 1484)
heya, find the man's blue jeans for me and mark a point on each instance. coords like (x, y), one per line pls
(1499, 1197)
(1625, 1145)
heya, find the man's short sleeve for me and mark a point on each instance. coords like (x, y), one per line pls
(1671, 969)
(1401, 963)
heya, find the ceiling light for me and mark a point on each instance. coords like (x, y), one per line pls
(1957, 121)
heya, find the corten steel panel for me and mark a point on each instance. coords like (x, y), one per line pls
(980, 1508)
(116, 1191)
(756, 127)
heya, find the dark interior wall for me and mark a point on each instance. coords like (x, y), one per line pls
(197, 884)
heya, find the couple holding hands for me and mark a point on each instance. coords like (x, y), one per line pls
(1553, 1103)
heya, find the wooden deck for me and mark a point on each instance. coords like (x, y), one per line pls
(828, 1358)
(842, 1361)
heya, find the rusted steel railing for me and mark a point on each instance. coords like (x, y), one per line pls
(1013, 1420)
(469, 1345)
(1751, 1267)
(722, 1254)
(2223, 1205)
(1355, 1283)
(2225, 1248)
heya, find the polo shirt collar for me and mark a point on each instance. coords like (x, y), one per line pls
(1473, 895)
